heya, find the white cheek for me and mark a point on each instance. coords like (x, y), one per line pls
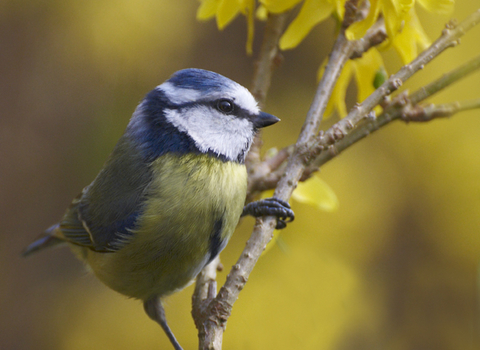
(214, 131)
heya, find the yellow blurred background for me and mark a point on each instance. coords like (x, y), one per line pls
(396, 267)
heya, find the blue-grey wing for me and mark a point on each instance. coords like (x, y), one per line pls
(102, 216)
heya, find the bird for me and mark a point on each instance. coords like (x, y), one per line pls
(171, 193)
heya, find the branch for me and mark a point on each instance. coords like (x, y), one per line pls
(273, 174)
(431, 111)
(220, 308)
(449, 38)
(265, 175)
(269, 59)
(467, 105)
(341, 52)
(205, 292)
(328, 149)
(374, 36)
(418, 114)
(445, 80)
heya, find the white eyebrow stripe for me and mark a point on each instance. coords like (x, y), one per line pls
(244, 99)
(239, 94)
(178, 95)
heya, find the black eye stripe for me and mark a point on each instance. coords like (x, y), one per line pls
(235, 110)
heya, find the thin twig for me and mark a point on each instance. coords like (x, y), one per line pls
(403, 108)
(468, 105)
(270, 168)
(329, 147)
(417, 114)
(445, 80)
(341, 52)
(449, 38)
(269, 59)
(271, 179)
(429, 112)
(373, 37)
(205, 291)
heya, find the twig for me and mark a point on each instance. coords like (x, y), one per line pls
(270, 180)
(269, 59)
(328, 148)
(468, 105)
(374, 36)
(449, 38)
(341, 53)
(205, 291)
(431, 111)
(445, 80)
(417, 114)
(403, 108)
(266, 171)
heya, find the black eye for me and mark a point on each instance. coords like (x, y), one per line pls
(225, 106)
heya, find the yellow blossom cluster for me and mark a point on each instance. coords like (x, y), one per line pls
(404, 30)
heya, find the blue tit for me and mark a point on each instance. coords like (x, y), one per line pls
(171, 193)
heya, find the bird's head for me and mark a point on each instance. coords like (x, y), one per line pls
(199, 110)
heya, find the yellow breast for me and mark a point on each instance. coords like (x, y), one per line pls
(193, 205)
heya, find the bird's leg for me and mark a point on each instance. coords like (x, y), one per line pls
(154, 309)
(271, 207)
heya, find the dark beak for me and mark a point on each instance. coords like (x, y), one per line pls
(263, 119)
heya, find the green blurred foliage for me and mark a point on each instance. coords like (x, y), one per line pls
(396, 267)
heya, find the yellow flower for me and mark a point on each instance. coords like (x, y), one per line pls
(412, 35)
(317, 193)
(394, 12)
(403, 27)
(311, 13)
(404, 30)
(337, 100)
(364, 70)
(225, 12)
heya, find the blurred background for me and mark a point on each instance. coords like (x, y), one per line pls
(396, 267)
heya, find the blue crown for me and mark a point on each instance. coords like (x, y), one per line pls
(199, 79)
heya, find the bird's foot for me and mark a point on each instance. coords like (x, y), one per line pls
(271, 207)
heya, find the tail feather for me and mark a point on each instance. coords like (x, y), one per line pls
(46, 240)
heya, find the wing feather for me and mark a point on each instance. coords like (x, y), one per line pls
(102, 216)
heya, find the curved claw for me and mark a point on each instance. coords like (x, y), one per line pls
(271, 207)
(281, 224)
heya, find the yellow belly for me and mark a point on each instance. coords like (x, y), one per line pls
(188, 195)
